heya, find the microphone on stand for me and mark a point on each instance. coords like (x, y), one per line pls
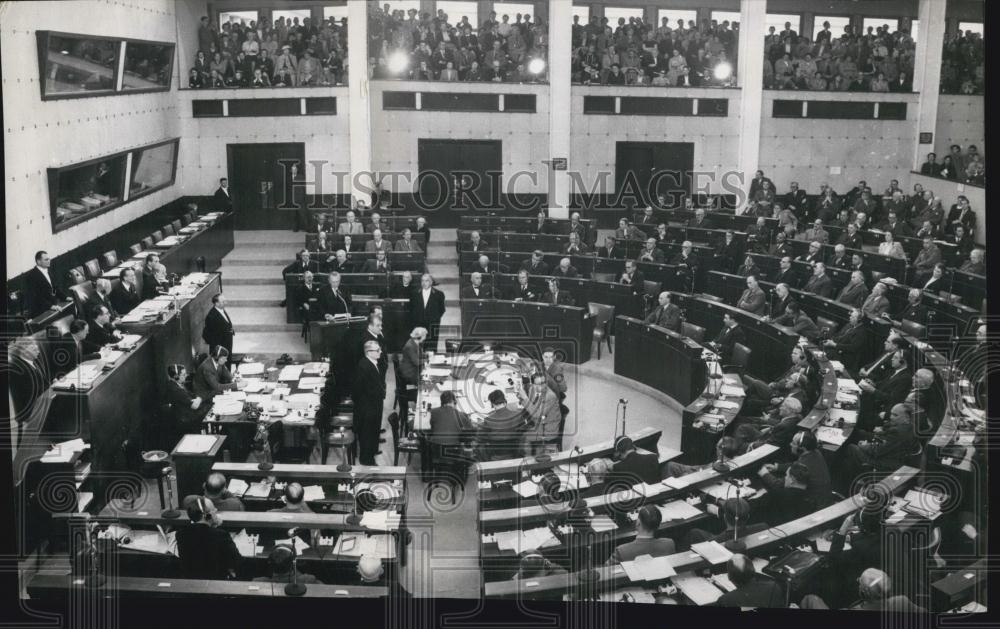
(295, 588)
(543, 457)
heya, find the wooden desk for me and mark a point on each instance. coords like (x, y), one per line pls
(659, 358)
(211, 243)
(531, 327)
(362, 473)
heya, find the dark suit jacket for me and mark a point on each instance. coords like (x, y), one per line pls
(668, 317)
(542, 269)
(819, 285)
(218, 330)
(346, 267)
(371, 266)
(96, 299)
(65, 354)
(853, 295)
(329, 304)
(97, 337)
(450, 426)
(760, 592)
(851, 341)
(124, 301)
(211, 379)
(891, 389)
(571, 272)
(652, 546)
(299, 267)
(309, 296)
(429, 315)
(222, 201)
(787, 277)
(178, 402)
(728, 337)
(562, 299)
(616, 253)
(503, 426)
(206, 552)
(638, 466)
(39, 295)
(526, 293)
(409, 362)
(485, 292)
(368, 391)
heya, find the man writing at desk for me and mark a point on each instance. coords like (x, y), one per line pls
(500, 434)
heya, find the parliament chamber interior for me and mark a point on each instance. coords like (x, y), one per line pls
(629, 302)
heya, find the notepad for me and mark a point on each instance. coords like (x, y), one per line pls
(648, 568)
(258, 490)
(699, 590)
(195, 444)
(849, 417)
(311, 382)
(728, 390)
(237, 486)
(290, 373)
(380, 520)
(526, 489)
(313, 492)
(831, 435)
(251, 369)
(726, 405)
(245, 544)
(678, 510)
(712, 552)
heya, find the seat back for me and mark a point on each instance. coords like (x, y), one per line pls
(147, 242)
(826, 326)
(603, 277)
(914, 329)
(157, 236)
(652, 289)
(168, 230)
(135, 249)
(75, 276)
(59, 328)
(601, 313)
(741, 355)
(694, 332)
(176, 224)
(109, 260)
(92, 269)
(189, 216)
(81, 293)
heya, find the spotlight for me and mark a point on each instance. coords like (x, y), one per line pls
(398, 62)
(536, 66)
(723, 71)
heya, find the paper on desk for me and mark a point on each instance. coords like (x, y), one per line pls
(847, 384)
(844, 396)
(290, 373)
(302, 401)
(153, 542)
(722, 580)
(823, 544)
(237, 486)
(601, 523)
(648, 568)
(676, 482)
(380, 520)
(195, 444)
(849, 417)
(258, 490)
(251, 369)
(732, 391)
(311, 382)
(831, 435)
(713, 552)
(437, 372)
(526, 489)
(226, 406)
(837, 365)
(244, 543)
(313, 492)
(701, 591)
(438, 359)
(253, 385)
(293, 542)
(128, 341)
(678, 510)
(726, 404)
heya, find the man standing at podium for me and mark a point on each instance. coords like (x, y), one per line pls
(368, 393)
(333, 300)
(426, 310)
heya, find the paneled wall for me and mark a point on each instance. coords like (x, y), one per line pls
(326, 138)
(838, 152)
(961, 120)
(40, 135)
(525, 136)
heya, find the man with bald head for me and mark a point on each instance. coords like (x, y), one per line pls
(482, 265)
(351, 226)
(854, 293)
(476, 243)
(650, 252)
(377, 243)
(102, 297)
(565, 270)
(665, 315)
(477, 290)
(896, 442)
(216, 492)
(974, 264)
(752, 589)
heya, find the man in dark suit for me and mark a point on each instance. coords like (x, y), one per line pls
(729, 252)
(666, 315)
(779, 303)
(421, 227)
(307, 297)
(379, 265)
(334, 300)
(40, 292)
(565, 269)
(633, 277)
(646, 542)
(481, 265)
(222, 200)
(610, 249)
(882, 391)
(368, 394)
(522, 291)
(632, 466)
(753, 299)
(125, 297)
(205, 551)
(650, 252)
(752, 589)
(574, 247)
(426, 309)
(536, 265)
(850, 342)
(302, 263)
(69, 351)
(798, 201)
(450, 426)
(340, 263)
(541, 225)
(374, 333)
(819, 282)
(785, 273)
(149, 275)
(854, 293)
(501, 432)
(99, 330)
(730, 334)
(477, 290)
(218, 326)
(102, 297)
(688, 264)
(555, 296)
(405, 288)
(477, 244)
(788, 495)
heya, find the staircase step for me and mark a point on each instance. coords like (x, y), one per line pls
(240, 294)
(268, 236)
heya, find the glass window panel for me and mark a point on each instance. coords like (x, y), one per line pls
(730, 16)
(583, 12)
(777, 20)
(455, 10)
(837, 24)
(83, 190)
(975, 27)
(673, 15)
(236, 17)
(616, 13)
(147, 65)
(336, 13)
(291, 15)
(876, 22)
(78, 64)
(152, 168)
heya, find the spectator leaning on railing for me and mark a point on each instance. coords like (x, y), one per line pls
(258, 54)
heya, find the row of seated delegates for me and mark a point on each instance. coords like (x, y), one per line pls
(437, 48)
(352, 226)
(261, 55)
(877, 61)
(962, 63)
(637, 52)
(968, 167)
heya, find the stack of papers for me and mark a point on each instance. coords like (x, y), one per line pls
(153, 542)
(290, 373)
(380, 520)
(169, 241)
(246, 544)
(648, 568)
(601, 523)
(713, 552)
(81, 378)
(63, 452)
(699, 590)
(354, 545)
(318, 368)
(303, 401)
(196, 278)
(849, 385)
(128, 341)
(531, 539)
(250, 369)
(831, 435)
(313, 492)
(726, 405)
(226, 405)
(195, 444)
(728, 390)
(258, 490)
(237, 486)
(849, 417)
(846, 398)
(437, 372)
(526, 489)
(311, 382)
(678, 510)
(253, 385)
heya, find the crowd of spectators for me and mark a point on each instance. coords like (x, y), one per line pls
(259, 54)
(421, 47)
(962, 67)
(637, 52)
(876, 61)
(967, 167)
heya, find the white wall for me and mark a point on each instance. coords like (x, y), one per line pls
(961, 120)
(40, 135)
(525, 137)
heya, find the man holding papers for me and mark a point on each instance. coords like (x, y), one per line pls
(646, 542)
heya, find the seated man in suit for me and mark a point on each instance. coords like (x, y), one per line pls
(536, 265)
(779, 302)
(633, 277)
(214, 489)
(522, 291)
(760, 393)
(666, 315)
(851, 342)
(542, 406)
(730, 334)
(819, 282)
(632, 466)
(500, 435)
(212, 376)
(565, 269)
(854, 293)
(646, 542)
(974, 264)
(650, 252)
(334, 300)
(876, 304)
(376, 224)
(102, 297)
(125, 297)
(688, 260)
(736, 515)
(303, 263)
(377, 243)
(574, 247)
(340, 263)
(99, 330)
(647, 217)
(481, 265)
(894, 444)
(800, 322)
(379, 265)
(405, 288)
(66, 353)
(610, 249)
(627, 231)
(152, 259)
(477, 290)
(817, 233)
(477, 244)
(307, 297)
(206, 551)
(787, 496)
(698, 220)
(280, 561)
(753, 299)
(555, 296)
(778, 429)
(406, 244)
(752, 589)
(450, 427)
(351, 225)
(884, 388)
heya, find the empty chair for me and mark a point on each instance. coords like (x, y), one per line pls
(75, 276)
(109, 260)
(652, 289)
(157, 236)
(740, 358)
(147, 242)
(135, 249)
(81, 293)
(168, 230)
(92, 269)
(176, 224)
(826, 326)
(694, 332)
(604, 277)
(602, 315)
(189, 216)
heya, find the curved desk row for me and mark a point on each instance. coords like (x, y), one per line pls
(523, 224)
(57, 587)
(669, 275)
(530, 327)
(625, 299)
(335, 241)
